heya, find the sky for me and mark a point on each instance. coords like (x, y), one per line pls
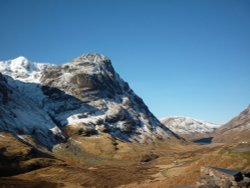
(183, 57)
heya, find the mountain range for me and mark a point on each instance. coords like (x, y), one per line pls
(46, 104)
(80, 125)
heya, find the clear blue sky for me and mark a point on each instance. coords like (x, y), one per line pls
(183, 57)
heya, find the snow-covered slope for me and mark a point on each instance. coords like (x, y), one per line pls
(85, 95)
(188, 127)
(22, 117)
(22, 69)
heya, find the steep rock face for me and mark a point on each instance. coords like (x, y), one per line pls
(4, 90)
(236, 130)
(189, 128)
(84, 97)
(106, 103)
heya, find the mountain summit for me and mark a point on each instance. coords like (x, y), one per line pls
(84, 97)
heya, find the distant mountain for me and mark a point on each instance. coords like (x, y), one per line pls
(236, 130)
(49, 104)
(189, 128)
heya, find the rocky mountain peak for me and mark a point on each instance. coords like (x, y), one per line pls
(21, 60)
(85, 96)
(94, 58)
(90, 64)
(20, 65)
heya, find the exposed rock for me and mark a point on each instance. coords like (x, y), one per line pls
(149, 157)
(87, 130)
(3, 90)
(222, 178)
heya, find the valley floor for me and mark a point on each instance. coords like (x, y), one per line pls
(157, 166)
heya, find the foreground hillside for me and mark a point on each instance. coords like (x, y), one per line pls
(160, 165)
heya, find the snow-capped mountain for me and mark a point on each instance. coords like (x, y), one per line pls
(85, 95)
(188, 127)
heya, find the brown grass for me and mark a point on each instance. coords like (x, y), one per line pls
(106, 162)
